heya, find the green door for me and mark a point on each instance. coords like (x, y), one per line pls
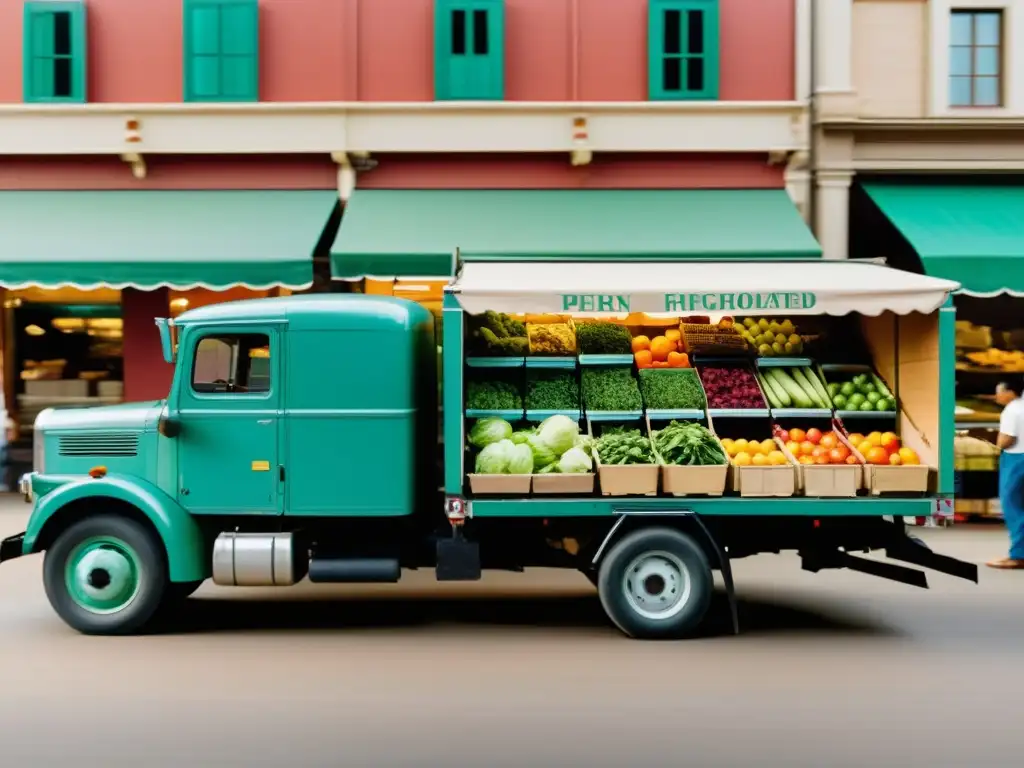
(229, 409)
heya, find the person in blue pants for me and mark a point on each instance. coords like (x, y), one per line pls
(1011, 470)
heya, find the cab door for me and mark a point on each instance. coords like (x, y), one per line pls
(229, 410)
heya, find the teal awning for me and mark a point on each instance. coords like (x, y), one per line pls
(149, 239)
(414, 233)
(971, 234)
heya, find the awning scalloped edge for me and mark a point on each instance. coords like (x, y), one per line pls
(18, 286)
(990, 294)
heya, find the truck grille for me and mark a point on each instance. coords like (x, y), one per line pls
(99, 444)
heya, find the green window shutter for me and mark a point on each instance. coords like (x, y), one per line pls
(682, 49)
(469, 50)
(221, 50)
(54, 52)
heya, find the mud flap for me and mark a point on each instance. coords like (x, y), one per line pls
(913, 551)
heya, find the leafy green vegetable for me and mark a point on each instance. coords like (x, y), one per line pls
(489, 430)
(495, 395)
(559, 433)
(626, 447)
(543, 456)
(688, 443)
(522, 436)
(548, 390)
(610, 389)
(575, 461)
(671, 388)
(603, 339)
(494, 458)
(520, 461)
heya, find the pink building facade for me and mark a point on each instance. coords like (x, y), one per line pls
(235, 99)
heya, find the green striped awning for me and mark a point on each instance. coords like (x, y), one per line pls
(414, 233)
(148, 239)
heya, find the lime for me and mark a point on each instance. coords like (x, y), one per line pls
(873, 397)
(848, 389)
(867, 387)
(833, 390)
(839, 401)
(885, 404)
(867, 406)
(856, 399)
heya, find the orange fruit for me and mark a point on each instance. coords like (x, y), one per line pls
(805, 460)
(877, 455)
(851, 459)
(814, 435)
(806, 447)
(643, 358)
(661, 347)
(829, 440)
(767, 446)
(673, 334)
(759, 460)
(677, 360)
(821, 459)
(797, 434)
(865, 448)
(793, 447)
(742, 459)
(856, 438)
(641, 343)
(875, 438)
(839, 454)
(895, 460)
(908, 456)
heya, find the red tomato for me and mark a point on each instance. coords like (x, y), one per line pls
(814, 435)
(839, 454)
(829, 440)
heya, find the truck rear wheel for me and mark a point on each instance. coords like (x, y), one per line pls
(656, 583)
(105, 575)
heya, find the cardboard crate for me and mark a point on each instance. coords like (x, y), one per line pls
(627, 479)
(826, 480)
(504, 485)
(555, 484)
(676, 480)
(779, 481)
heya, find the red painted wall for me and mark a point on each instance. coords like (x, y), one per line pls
(382, 50)
(399, 171)
(146, 375)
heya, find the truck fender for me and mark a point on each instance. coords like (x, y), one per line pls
(181, 536)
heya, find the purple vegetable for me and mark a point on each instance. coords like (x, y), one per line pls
(731, 387)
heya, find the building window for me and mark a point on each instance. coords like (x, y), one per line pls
(469, 50)
(221, 50)
(235, 364)
(54, 52)
(682, 47)
(976, 58)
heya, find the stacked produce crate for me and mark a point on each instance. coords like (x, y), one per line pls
(682, 408)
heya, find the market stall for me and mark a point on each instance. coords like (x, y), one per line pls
(716, 380)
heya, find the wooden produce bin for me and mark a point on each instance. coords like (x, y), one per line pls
(500, 485)
(779, 481)
(827, 480)
(557, 484)
(627, 479)
(685, 480)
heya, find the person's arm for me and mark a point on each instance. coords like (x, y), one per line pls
(1007, 427)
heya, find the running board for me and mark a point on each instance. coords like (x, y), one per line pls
(890, 571)
(915, 553)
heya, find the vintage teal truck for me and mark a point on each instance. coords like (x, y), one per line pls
(302, 437)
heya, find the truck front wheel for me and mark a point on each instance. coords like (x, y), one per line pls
(656, 583)
(105, 575)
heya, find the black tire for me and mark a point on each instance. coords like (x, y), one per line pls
(148, 577)
(686, 565)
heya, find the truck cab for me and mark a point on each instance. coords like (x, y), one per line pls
(314, 408)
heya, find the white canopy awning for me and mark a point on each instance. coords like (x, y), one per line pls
(697, 287)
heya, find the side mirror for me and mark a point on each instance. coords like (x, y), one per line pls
(168, 427)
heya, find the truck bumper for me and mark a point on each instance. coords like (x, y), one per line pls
(12, 547)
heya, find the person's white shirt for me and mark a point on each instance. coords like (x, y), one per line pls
(1011, 423)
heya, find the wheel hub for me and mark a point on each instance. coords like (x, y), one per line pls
(102, 576)
(657, 585)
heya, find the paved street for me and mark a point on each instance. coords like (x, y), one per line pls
(837, 669)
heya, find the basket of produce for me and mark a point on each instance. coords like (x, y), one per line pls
(693, 461)
(551, 391)
(858, 391)
(713, 339)
(826, 464)
(562, 458)
(603, 338)
(671, 390)
(972, 454)
(772, 338)
(626, 464)
(501, 466)
(890, 467)
(732, 387)
(611, 390)
(494, 334)
(552, 339)
(794, 388)
(496, 392)
(759, 468)
(665, 350)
